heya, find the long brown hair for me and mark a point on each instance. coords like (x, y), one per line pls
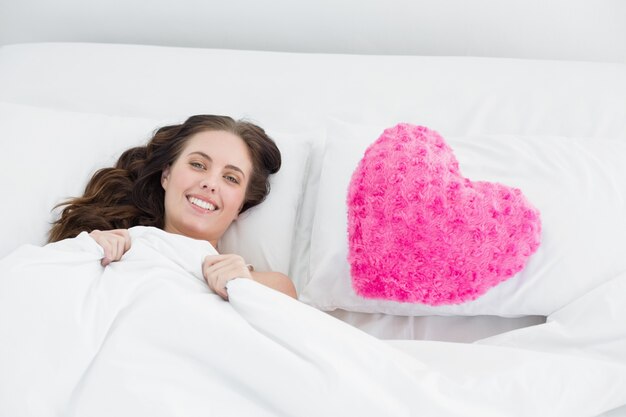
(130, 193)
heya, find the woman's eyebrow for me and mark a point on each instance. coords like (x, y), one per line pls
(229, 166)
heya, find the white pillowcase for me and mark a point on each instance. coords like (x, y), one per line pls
(579, 187)
(48, 155)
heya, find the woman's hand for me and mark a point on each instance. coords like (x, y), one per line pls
(114, 242)
(219, 269)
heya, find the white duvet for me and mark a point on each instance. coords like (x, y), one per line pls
(146, 337)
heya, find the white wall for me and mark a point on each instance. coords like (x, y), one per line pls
(593, 30)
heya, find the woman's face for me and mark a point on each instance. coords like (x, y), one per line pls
(206, 186)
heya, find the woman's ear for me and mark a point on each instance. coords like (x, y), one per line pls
(165, 177)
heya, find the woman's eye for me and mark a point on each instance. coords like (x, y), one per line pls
(232, 179)
(197, 165)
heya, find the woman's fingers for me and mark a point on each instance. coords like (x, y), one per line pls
(219, 269)
(115, 243)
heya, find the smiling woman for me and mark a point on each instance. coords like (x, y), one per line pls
(191, 179)
(205, 188)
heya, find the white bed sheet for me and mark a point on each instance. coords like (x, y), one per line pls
(145, 336)
(464, 329)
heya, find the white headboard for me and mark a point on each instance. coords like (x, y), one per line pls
(556, 29)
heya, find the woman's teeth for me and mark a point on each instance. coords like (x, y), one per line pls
(200, 203)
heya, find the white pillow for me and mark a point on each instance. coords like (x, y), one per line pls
(579, 187)
(48, 155)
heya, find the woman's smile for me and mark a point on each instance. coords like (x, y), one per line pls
(206, 205)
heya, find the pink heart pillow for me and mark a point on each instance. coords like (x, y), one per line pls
(420, 232)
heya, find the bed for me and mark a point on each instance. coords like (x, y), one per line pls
(82, 340)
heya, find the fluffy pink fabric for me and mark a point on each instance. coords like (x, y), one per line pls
(421, 232)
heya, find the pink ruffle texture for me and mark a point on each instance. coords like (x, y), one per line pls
(419, 232)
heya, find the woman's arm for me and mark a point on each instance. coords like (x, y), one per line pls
(276, 280)
(219, 269)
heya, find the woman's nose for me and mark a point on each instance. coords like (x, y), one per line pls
(209, 183)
